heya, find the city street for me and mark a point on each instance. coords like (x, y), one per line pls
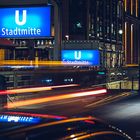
(120, 110)
(71, 59)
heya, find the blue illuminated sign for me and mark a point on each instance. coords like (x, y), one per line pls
(90, 56)
(21, 119)
(25, 22)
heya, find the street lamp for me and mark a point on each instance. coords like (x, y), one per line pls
(67, 37)
(120, 31)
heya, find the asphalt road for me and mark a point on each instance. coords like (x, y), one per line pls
(121, 110)
(124, 114)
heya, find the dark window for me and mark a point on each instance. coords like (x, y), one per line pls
(77, 14)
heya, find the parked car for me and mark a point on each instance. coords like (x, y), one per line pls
(26, 126)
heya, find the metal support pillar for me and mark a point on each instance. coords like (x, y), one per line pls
(57, 29)
(30, 44)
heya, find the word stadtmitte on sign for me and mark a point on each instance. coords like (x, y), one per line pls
(18, 31)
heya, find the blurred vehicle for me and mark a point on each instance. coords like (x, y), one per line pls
(22, 126)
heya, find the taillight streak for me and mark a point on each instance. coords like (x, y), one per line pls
(34, 89)
(36, 115)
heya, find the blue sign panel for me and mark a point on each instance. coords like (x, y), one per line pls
(86, 56)
(25, 22)
(21, 119)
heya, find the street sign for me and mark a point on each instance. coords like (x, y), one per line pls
(85, 56)
(25, 22)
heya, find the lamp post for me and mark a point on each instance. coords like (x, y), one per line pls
(67, 37)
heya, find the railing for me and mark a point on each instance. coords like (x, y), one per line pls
(17, 79)
(123, 84)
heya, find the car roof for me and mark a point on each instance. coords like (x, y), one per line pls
(15, 120)
(58, 128)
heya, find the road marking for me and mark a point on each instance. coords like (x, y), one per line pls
(108, 100)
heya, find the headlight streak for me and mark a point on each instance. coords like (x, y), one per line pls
(54, 98)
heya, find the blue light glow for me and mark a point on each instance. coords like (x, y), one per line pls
(90, 56)
(25, 22)
(21, 119)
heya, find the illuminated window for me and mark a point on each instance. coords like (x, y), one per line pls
(125, 5)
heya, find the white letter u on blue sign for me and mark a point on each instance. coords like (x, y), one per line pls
(17, 19)
(77, 55)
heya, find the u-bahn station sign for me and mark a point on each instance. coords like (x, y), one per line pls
(25, 22)
(90, 57)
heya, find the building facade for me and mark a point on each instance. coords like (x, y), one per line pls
(113, 24)
(132, 31)
(100, 21)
